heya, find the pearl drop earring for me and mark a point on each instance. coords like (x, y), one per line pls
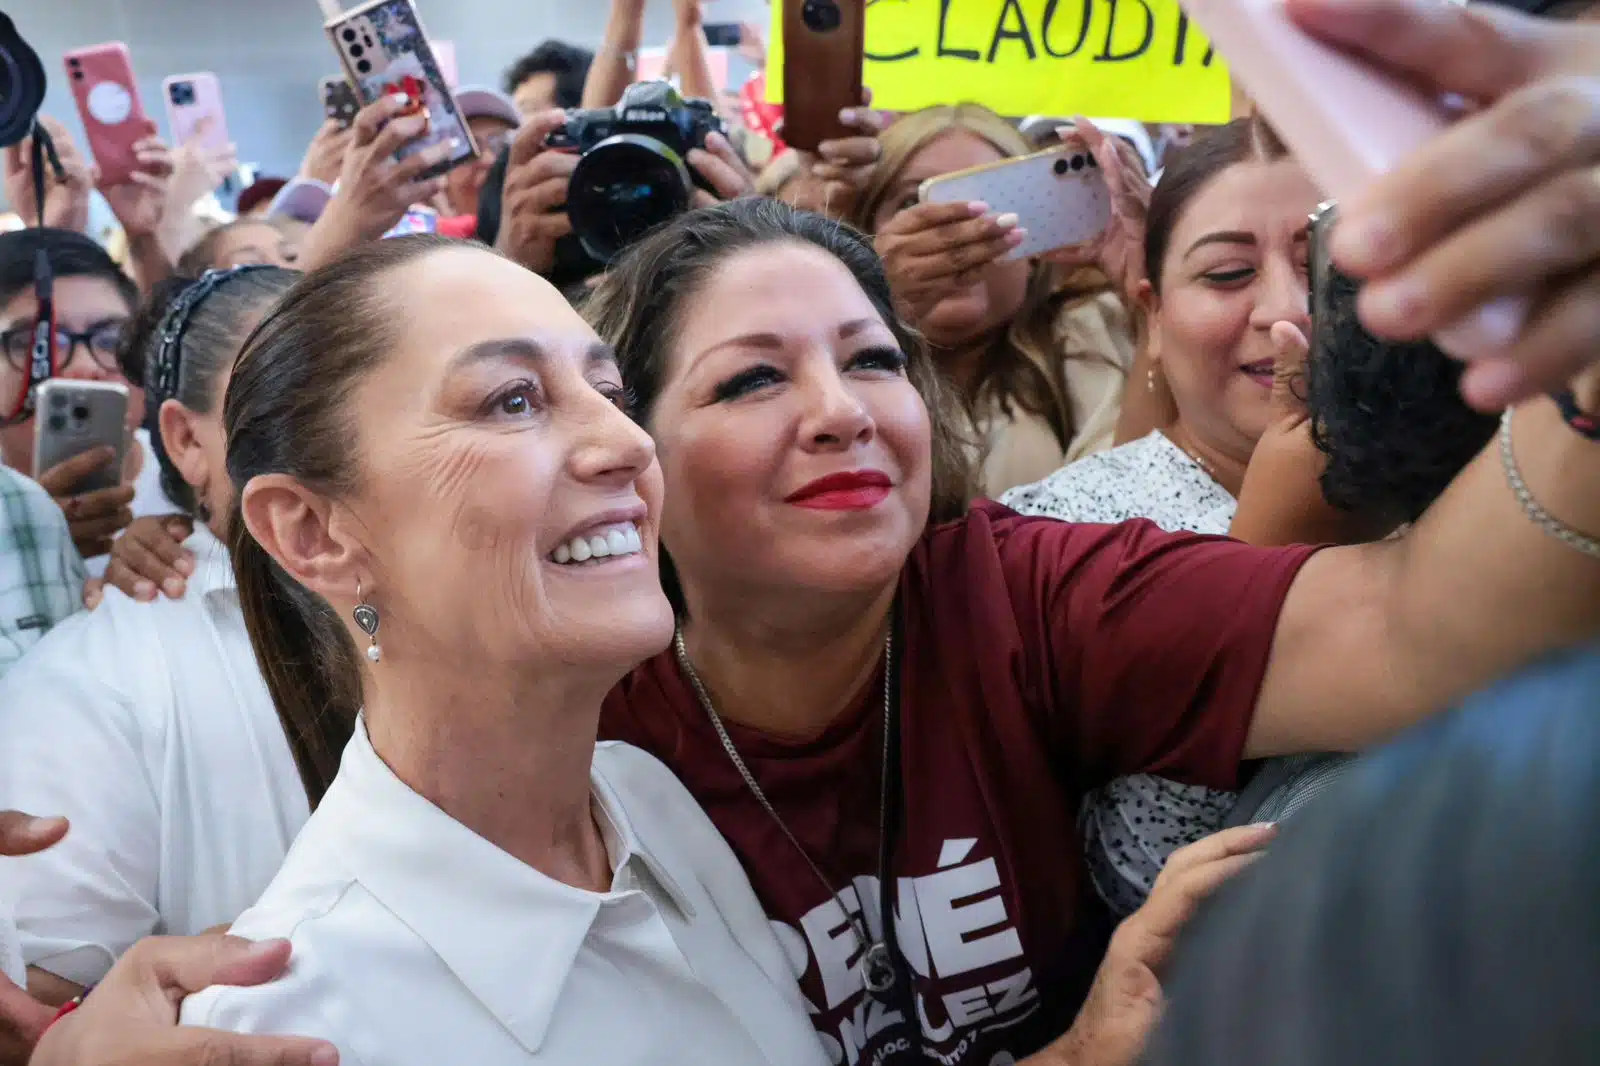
(366, 617)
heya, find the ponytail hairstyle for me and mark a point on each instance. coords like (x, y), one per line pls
(287, 412)
(186, 336)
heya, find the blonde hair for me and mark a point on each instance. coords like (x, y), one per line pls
(1023, 368)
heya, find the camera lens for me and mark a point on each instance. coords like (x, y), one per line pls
(1062, 166)
(349, 33)
(77, 75)
(356, 51)
(363, 67)
(622, 188)
(57, 423)
(1077, 162)
(58, 400)
(80, 413)
(821, 16)
(181, 94)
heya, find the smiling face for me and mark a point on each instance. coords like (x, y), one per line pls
(993, 300)
(506, 508)
(796, 452)
(1235, 264)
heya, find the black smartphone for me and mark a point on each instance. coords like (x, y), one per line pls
(723, 34)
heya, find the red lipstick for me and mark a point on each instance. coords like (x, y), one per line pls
(855, 490)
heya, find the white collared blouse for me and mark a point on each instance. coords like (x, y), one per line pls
(417, 942)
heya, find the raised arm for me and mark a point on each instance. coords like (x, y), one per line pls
(616, 60)
(1371, 638)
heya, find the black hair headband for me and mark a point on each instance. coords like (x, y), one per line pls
(161, 374)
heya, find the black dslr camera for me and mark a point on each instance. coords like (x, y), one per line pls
(632, 175)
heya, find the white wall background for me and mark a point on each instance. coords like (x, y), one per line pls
(269, 54)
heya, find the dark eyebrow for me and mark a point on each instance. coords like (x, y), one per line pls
(1239, 237)
(1223, 237)
(772, 342)
(524, 350)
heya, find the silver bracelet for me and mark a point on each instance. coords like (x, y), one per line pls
(1530, 506)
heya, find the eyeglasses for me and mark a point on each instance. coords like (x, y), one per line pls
(102, 342)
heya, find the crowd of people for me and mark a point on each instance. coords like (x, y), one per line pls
(814, 635)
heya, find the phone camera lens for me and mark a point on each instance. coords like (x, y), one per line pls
(349, 34)
(57, 423)
(58, 401)
(1077, 162)
(77, 75)
(820, 16)
(356, 51)
(182, 94)
(80, 413)
(1062, 166)
(363, 67)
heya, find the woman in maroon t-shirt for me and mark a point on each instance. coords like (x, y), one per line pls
(1032, 659)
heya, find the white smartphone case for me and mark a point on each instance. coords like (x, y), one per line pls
(1059, 196)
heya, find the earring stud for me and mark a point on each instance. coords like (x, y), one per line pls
(366, 617)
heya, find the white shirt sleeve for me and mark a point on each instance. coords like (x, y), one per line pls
(74, 746)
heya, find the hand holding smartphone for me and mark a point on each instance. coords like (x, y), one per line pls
(386, 53)
(107, 97)
(824, 42)
(1344, 121)
(76, 417)
(1059, 197)
(194, 110)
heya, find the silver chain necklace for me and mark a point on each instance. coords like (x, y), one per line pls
(877, 966)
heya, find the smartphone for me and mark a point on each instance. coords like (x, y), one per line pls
(73, 417)
(823, 45)
(107, 96)
(194, 110)
(723, 34)
(385, 51)
(1344, 121)
(1059, 196)
(339, 101)
(1320, 276)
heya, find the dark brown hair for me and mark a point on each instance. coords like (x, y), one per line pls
(286, 412)
(1191, 169)
(638, 307)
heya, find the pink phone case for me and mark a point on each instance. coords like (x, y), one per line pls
(107, 96)
(1344, 121)
(194, 109)
(1059, 196)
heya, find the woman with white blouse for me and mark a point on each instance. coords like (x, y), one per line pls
(165, 753)
(446, 536)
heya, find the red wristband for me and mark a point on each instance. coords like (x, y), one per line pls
(65, 1009)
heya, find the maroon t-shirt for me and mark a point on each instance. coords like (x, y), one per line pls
(1040, 659)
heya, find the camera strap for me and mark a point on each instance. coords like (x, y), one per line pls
(42, 352)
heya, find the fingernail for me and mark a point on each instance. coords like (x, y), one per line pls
(977, 208)
(1492, 383)
(847, 115)
(1396, 301)
(1489, 330)
(184, 566)
(1368, 244)
(143, 590)
(173, 587)
(325, 1056)
(1016, 237)
(1263, 826)
(38, 827)
(1007, 220)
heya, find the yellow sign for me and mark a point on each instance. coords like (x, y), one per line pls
(1139, 59)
